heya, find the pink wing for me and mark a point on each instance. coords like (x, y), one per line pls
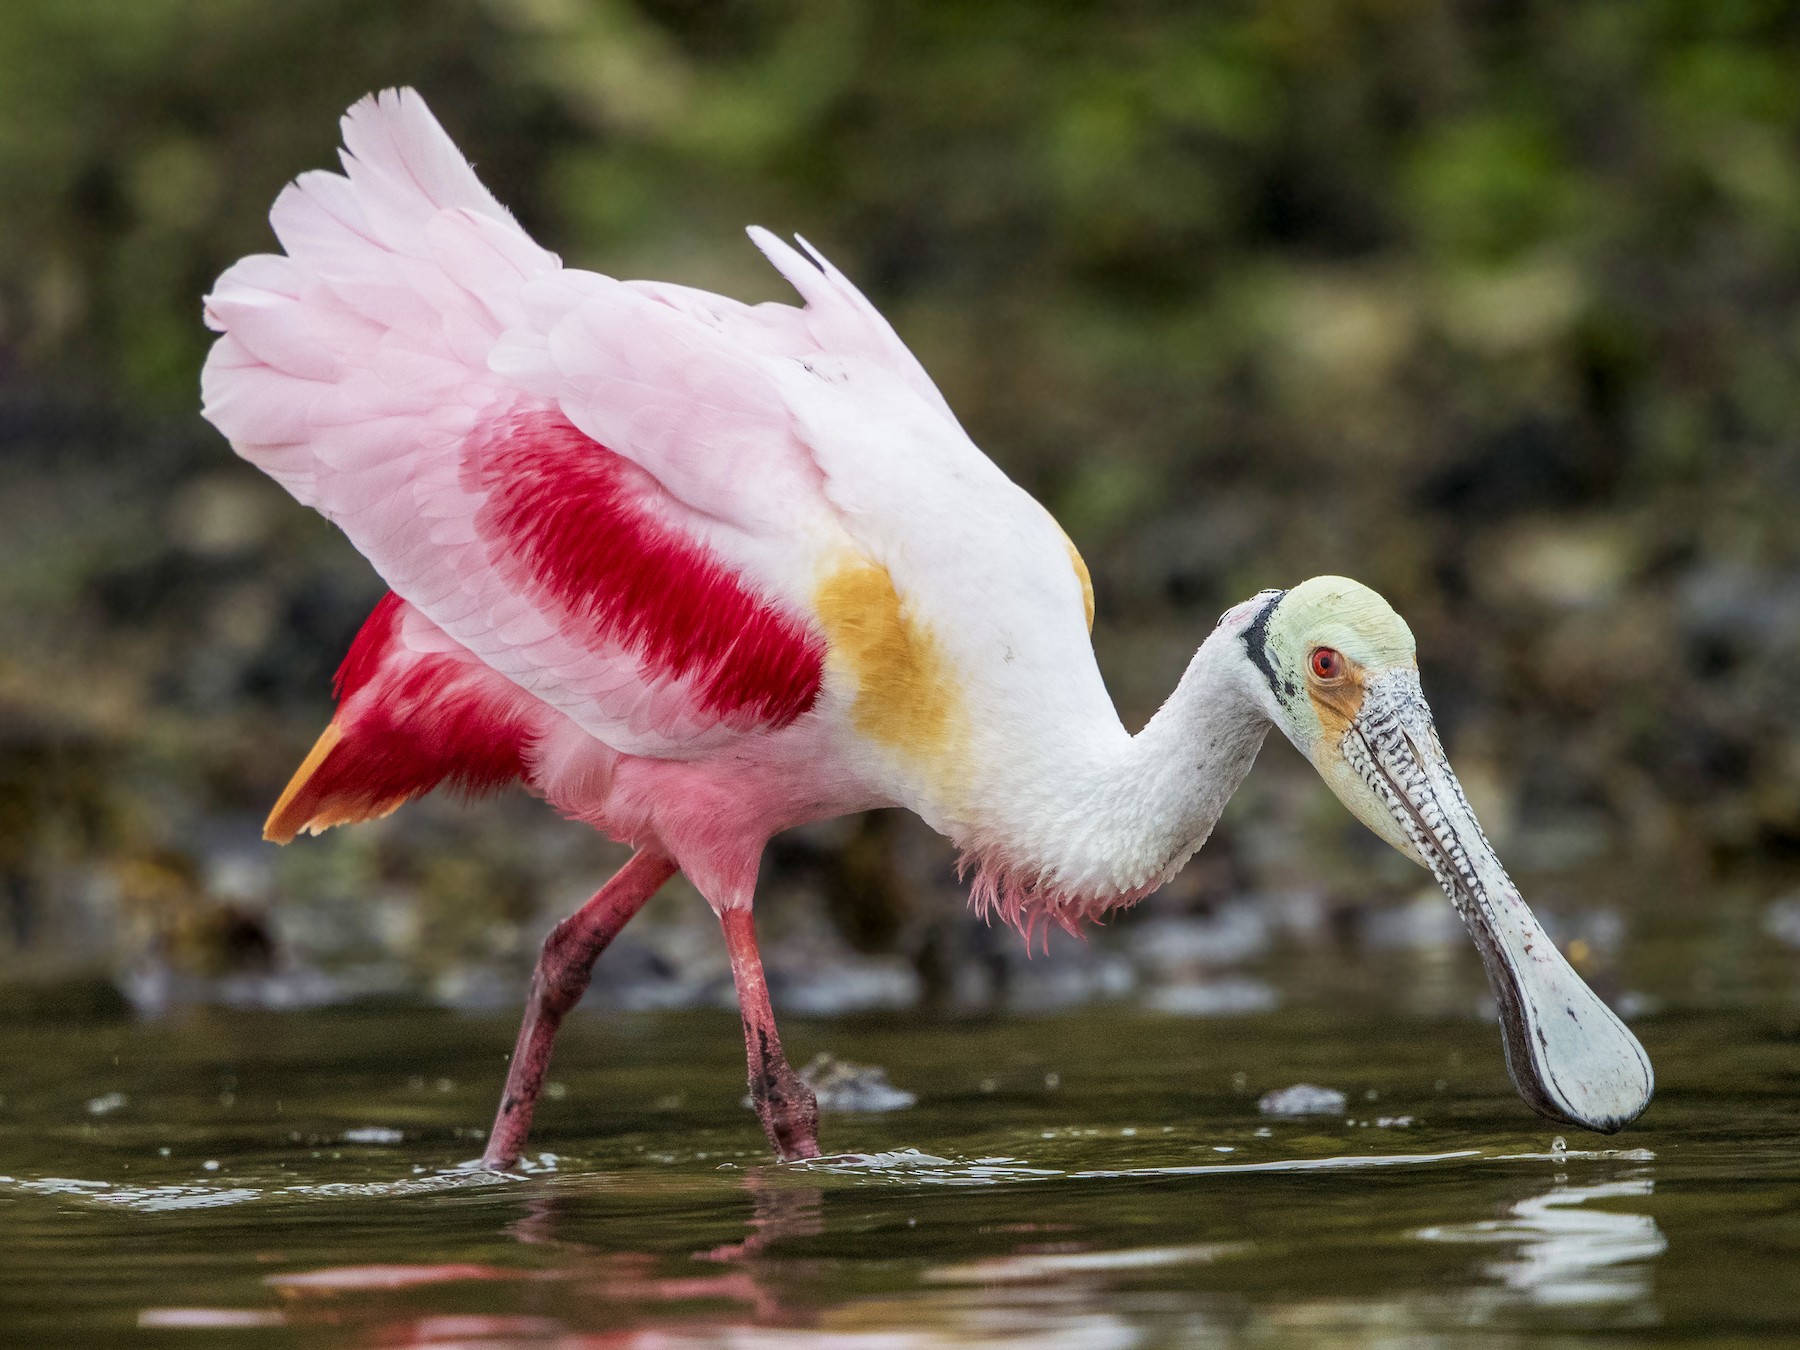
(630, 557)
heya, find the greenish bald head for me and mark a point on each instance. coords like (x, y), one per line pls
(1345, 615)
(1325, 614)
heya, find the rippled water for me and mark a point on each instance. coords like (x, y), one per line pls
(1094, 1179)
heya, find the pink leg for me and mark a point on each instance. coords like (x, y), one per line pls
(561, 978)
(789, 1111)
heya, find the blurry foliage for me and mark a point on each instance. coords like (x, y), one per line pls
(1490, 305)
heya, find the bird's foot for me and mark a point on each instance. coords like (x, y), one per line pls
(788, 1109)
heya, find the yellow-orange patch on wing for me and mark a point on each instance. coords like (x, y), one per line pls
(907, 696)
(1081, 575)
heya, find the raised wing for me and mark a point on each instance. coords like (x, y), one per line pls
(637, 558)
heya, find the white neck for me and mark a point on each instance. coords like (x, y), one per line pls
(1095, 812)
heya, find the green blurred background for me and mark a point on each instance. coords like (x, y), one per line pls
(1490, 305)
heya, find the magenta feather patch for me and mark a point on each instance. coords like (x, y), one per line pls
(428, 720)
(574, 522)
(407, 722)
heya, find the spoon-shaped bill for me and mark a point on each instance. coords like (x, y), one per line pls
(1571, 1058)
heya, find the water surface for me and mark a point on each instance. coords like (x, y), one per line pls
(1094, 1178)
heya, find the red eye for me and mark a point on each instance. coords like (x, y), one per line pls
(1327, 664)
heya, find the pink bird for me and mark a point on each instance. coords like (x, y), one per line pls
(696, 572)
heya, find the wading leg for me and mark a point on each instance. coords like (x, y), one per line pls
(561, 978)
(787, 1107)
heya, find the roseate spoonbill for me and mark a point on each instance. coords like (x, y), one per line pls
(696, 571)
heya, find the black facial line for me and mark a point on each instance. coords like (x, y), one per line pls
(1256, 646)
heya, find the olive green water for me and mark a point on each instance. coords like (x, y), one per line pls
(1100, 1178)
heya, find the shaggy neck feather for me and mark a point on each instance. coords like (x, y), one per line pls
(1099, 817)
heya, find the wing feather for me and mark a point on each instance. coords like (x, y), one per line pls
(368, 372)
(621, 496)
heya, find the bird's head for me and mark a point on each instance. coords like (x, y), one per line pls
(1332, 665)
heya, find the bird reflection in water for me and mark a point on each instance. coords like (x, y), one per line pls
(779, 1213)
(739, 1290)
(1566, 1252)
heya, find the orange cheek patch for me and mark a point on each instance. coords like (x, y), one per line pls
(1338, 704)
